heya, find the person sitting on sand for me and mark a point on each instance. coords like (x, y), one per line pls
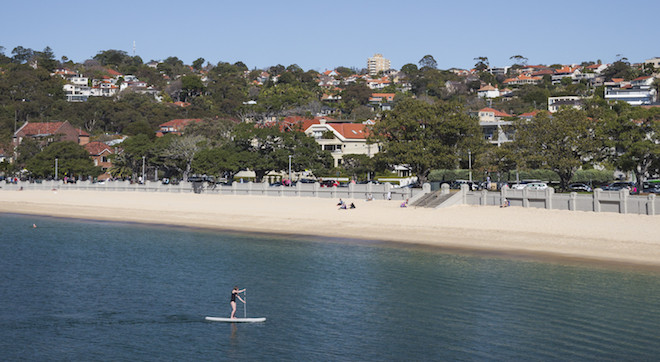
(505, 203)
(352, 205)
(370, 197)
(340, 203)
(342, 207)
(235, 294)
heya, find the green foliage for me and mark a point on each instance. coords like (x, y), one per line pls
(632, 140)
(72, 160)
(426, 136)
(268, 148)
(354, 95)
(428, 62)
(562, 142)
(592, 176)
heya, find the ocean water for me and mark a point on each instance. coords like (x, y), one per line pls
(87, 290)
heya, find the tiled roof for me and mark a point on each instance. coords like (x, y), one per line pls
(487, 88)
(97, 148)
(179, 122)
(351, 130)
(530, 114)
(495, 112)
(44, 128)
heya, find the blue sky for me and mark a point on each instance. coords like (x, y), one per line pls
(322, 35)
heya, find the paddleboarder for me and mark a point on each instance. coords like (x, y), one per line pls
(234, 295)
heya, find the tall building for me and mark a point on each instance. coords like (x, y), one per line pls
(377, 63)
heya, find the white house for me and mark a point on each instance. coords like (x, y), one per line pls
(637, 92)
(488, 91)
(493, 124)
(554, 103)
(342, 139)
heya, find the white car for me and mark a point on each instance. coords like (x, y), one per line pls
(536, 186)
(518, 186)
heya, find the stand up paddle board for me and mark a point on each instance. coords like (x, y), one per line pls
(236, 320)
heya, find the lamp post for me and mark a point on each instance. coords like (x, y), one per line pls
(55, 168)
(470, 165)
(290, 180)
(143, 174)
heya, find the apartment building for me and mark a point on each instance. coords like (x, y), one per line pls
(377, 64)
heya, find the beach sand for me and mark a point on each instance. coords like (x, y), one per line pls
(608, 237)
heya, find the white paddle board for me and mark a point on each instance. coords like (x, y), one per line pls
(236, 320)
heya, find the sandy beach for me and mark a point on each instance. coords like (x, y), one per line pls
(577, 235)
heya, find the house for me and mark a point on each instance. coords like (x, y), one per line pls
(379, 83)
(100, 153)
(566, 71)
(381, 97)
(639, 91)
(655, 62)
(488, 91)
(554, 103)
(596, 68)
(341, 139)
(493, 124)
(175, 126)
(523, 79)
(47, 132)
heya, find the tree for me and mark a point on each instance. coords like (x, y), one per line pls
(181, 152)
(425, 136)
(220, 161)
(519, 60)
(428, 61)
(129, 162)
(265, 149)
(72, 161)
(561, 142)
(22, 55)
(354, 95)
(482, 64)
(358, 165)
(633, 143)
(198, 63)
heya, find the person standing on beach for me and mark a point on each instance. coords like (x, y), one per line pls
(235, 294)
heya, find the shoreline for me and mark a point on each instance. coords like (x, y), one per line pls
(623, 239)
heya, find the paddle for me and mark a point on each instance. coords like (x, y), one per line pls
(245, 303)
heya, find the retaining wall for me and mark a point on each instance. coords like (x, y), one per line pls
(352, 191)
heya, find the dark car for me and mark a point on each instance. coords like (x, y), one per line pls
(578, 187)
(306, 181)
(616, 186)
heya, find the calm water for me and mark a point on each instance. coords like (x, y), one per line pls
(84, 290)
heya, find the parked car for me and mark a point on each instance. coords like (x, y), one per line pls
(616, 186)
(329, 183)
(651, 188)
(457, 184)
(306, 181)
(578, 187)
(536, 186)
(518, 186)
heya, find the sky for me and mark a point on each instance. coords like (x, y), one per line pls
(323, 35)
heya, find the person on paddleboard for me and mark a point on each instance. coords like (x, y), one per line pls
(234, 295)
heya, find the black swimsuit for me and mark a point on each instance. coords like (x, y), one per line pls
(233, 297)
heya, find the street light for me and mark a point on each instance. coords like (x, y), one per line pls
(143, 174)
(470, 164)
(290, 180)
(55, 168)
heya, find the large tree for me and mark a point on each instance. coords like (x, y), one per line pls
(562, 142)
(72, 161)
(425, 135)
(267, 148)
(632, 143)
